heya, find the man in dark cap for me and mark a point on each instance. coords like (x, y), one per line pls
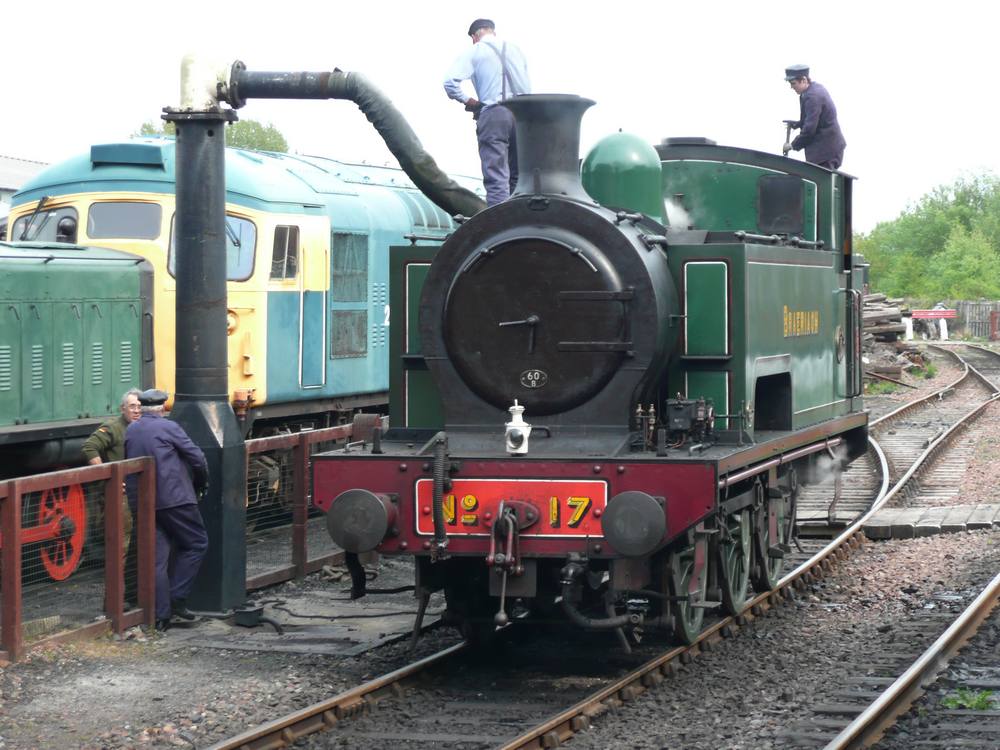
(181, 474)
(498, 70)
(819, 131)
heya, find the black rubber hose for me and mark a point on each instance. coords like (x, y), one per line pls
(273, 623)
(589, 623)
(381, 113)
(357, 571)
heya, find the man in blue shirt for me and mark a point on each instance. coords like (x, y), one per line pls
(820, 132)
(181, 474)
(498, 71)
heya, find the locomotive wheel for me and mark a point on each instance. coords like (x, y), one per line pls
(471, 610)
(61, 555)
(733, 555)
(475, 624)
(689, 583)
(770, 536)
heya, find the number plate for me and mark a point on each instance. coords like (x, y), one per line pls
(566, 508)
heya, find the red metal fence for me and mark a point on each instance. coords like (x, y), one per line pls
(285, 540)
(15, 541)
(292, 453)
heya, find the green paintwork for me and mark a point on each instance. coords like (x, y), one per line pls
(784, 305)
(765, 283)
(623, 171)
(706, 321)
(711, 385)
(761, 321)
(414, 401)
(70, 331)
(724, 196)
(724, 168)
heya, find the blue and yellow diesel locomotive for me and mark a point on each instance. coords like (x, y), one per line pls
(307, 243)
(608, 389)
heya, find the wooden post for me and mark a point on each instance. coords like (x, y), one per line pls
(300, 510)
(145, 526)
(10, 559)
(114, 566)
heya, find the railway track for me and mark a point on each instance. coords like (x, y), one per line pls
(961, 708)
(479, 700)
(985, 361)
(880, 714)
(887, 683)
(903, 435)
(484, 709)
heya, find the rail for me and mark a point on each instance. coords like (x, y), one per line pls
(321, 716)
(559, 728)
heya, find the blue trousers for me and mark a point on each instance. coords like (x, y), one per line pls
(497, 152)
(179, 530)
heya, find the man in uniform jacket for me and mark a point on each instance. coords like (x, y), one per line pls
(819, 131)
(107, 443)
(181, 474)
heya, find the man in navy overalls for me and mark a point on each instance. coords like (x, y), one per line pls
(498, 70)
(181, 474)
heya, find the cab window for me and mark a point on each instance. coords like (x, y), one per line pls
(349, 258)
(285, 260)
(121, 220)
(43, 226)
(241, 242)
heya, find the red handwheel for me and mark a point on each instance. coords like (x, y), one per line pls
(61, 555)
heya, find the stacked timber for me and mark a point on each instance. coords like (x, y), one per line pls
(885, 356)
(882, 318)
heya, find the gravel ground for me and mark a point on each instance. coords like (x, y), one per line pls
(160, 692)
(746, 692)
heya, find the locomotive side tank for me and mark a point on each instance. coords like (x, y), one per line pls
(635, 369)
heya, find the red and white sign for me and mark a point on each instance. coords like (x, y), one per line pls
(935, 314)
(566, 507)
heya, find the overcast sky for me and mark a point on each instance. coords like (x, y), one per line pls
(914, 82)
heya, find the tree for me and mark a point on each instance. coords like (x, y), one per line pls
(947, 246)
(251, 134)
(967, 267)
(151, 128)
(248, 134)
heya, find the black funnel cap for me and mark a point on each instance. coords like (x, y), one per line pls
(548, 143)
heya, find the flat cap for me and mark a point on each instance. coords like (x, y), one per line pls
(796, 71)
(153, 397)
(480, 23)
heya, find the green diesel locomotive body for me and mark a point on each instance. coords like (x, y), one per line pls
(76, 334)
